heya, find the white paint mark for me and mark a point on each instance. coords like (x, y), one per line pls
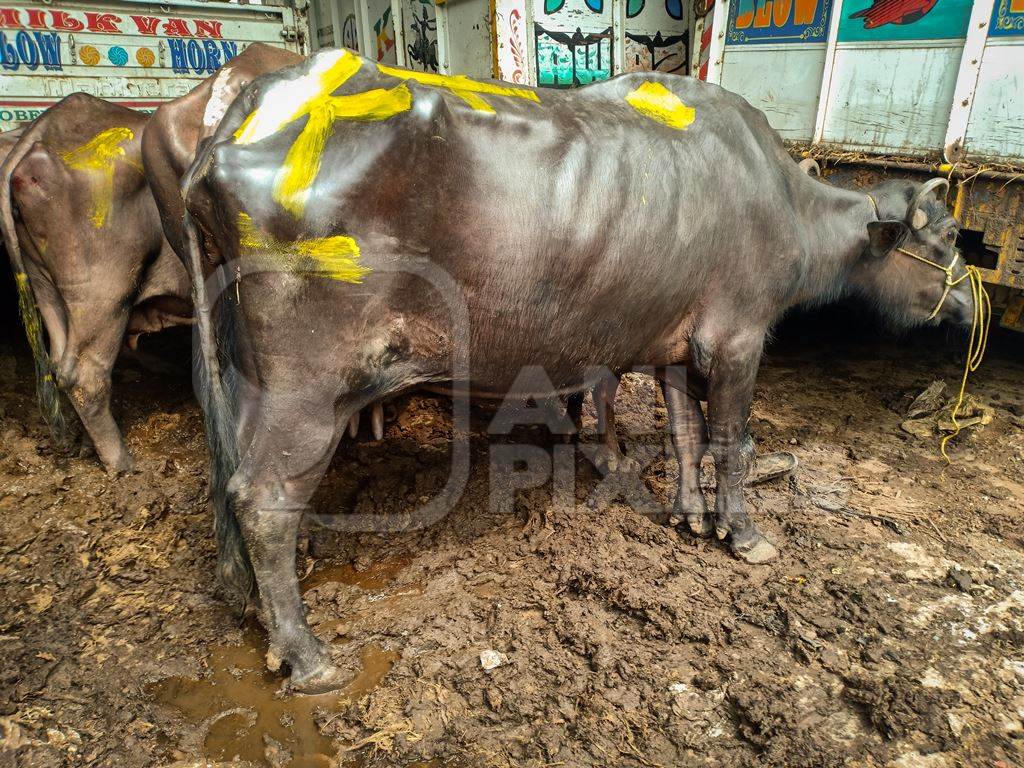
(932, 679)
(281, 102)
(219, 101)
(1017, 667)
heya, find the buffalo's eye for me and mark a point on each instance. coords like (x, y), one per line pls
(949, 236)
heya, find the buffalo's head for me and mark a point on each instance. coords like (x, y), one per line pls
(911, 266)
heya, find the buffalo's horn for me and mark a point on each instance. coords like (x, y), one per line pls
(922, 194)
(810, 166)
(377, 421)
(353, 425)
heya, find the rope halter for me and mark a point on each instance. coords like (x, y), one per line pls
(950, 281)
(980, 323)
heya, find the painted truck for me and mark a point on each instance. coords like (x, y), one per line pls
(452, 37)
(364, 26)
(134, 53)
(873, 87)
(567, 43)
(556, 43)
(904, 87)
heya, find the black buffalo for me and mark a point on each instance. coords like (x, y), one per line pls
(647, 220)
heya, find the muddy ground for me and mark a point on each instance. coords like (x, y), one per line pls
(889, 633)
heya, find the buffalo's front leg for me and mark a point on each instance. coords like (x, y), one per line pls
(290, 451)
(731, 379)
(690, 440)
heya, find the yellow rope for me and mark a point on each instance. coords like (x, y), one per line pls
(975, 348)
(980, 324)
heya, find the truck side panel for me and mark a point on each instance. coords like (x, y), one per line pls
(774, 57)
(891, 100)
(132, 53)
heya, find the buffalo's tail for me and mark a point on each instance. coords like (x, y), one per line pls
(215, 381)
(46, 383)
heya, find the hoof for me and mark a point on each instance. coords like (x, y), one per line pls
(693, 513)
(122, 466)
(700, 525)
(323, 679)
(612, 462)
(761, 551)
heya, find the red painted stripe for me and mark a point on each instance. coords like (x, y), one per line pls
(5, 103)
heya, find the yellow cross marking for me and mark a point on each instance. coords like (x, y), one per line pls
(101, 153)
(460, 85)
(311, 95)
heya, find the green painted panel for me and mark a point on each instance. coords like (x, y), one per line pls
(886, 20)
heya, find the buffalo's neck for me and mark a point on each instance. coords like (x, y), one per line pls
(834, 222)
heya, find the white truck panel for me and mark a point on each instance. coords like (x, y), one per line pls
(774, 56)
(891, 100)
(882, 76)
(138, 54)
(788, 92)
(996, 127)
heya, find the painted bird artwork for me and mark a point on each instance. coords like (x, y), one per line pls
(882, 12)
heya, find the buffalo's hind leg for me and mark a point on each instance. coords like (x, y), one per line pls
(689, 433)
(731, 377)
(293, 440)
(609, 457)
(84, 374)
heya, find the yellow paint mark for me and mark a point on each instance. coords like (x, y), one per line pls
(655, 101)
(466, 89)
(290, 100)
(101, 153)
(334, 257)
(312, 96)
(302, 163)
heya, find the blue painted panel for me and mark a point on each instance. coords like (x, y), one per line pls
(778, 21)
(1007, 19)
(881, 20)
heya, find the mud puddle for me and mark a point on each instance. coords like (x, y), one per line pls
(240, 711)
(374, 578)
(242, 715)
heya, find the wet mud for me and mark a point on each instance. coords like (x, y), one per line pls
(889, 633)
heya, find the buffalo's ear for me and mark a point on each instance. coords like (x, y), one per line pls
(885, 236)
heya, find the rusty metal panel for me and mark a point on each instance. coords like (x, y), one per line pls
(996, 209)
(138, 54)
